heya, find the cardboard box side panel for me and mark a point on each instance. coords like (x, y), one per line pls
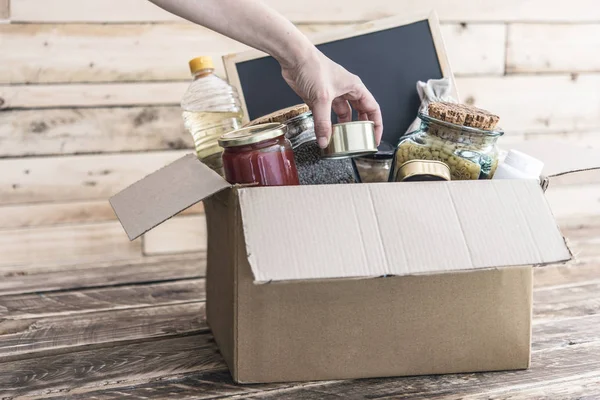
(220, 273)
(446, 323)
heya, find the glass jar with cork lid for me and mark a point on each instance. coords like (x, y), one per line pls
(469, 151)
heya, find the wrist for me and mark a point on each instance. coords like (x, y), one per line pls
(296, 54)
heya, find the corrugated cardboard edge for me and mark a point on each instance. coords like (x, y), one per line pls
(164, 193)
(573, 171)
(531, 287)
(239, 249)
(560, 157)
(252, 259)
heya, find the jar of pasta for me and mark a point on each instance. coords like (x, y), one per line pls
(469, 152)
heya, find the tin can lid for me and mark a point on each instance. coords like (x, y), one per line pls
(428, 169)
(252, 134)
(351, 139)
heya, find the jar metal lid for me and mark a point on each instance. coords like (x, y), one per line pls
(385, 151)
(252, 134)
(299, 118)
(351, 139)
(427, 169)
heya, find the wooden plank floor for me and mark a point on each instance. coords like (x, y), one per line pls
(136, 330)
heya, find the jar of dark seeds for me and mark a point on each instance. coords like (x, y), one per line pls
(312, 169)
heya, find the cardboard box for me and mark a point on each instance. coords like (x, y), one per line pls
(364, 280)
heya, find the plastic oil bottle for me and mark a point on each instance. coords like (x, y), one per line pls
(211, 107)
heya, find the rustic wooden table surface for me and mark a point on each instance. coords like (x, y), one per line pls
(136, 330)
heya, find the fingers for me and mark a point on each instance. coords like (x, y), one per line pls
(342, 109)
(322, 117)
(365, 104)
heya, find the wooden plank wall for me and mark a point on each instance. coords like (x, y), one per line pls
(89, 93)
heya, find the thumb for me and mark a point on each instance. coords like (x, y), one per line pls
(322, 116)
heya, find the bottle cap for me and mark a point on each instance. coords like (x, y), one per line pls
(200, 63)
(524, 163)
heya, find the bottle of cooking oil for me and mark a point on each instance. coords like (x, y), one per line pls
(211, 107)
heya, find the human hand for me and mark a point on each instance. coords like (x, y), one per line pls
(325, 85)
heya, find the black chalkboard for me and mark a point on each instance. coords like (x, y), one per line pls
(389, 62)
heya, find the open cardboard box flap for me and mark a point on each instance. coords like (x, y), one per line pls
(334, 231)
(396, 229)
(165, 193)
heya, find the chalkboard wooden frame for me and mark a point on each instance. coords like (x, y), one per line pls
(232, 60)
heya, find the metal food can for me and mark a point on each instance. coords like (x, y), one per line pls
(351, 139)
(423, 170)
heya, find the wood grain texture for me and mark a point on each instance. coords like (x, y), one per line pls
(590, 139)
(109, 53)
(552, 48)
(66, 244)
(49, 214)
(137, 376)
(529, 106)
(568, 301)
(582, 178)
(331, 11)
(557, 333)
(93, 366)
(204, 385)
(101, 299)
(585, 386)
(475, 49)
(89, 177)
(95, 178)
(472, 49)
(546, 103)
(81, 131)
(565, 364)
(86, 370)
(65, 276)
(555, 275)
(92, 94)
(91, 11)
(59, 53)
(104, 53)
(26, 338)
(177, 235)
(4, 9)
(137, 129)
(98, 316)
(571, 202)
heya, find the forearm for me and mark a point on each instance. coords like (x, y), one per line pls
(248, 21)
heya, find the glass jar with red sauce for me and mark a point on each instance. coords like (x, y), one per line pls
(260, 155)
